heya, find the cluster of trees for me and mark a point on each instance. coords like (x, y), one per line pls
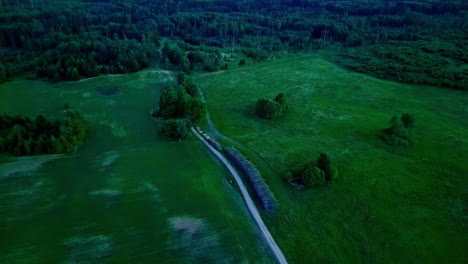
(314, 173)
(255, 179)
(397, 133)
(97, 55)
(181, 102)
(129, 28)
(178, 106)
(185, 57)
(270, 109)
(34, 136)
(176, 128)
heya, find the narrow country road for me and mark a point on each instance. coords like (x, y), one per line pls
(248, 200)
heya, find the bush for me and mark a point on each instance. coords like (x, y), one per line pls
(187, 83)
(408, 120)
(313, 174)
(397, 133)
(325, 164)
(197, 109)
(283, 102)
(270, 109)
(267, 109)
(176, 128)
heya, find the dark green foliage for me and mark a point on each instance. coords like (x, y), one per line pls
(267, 109)
(242, 62)
(283, 102)
(408, 120)
(409, 63)
(180, 103)
(325, 164)
(255, 179)
(168, 102)
(122, 36)
(78, 58)
(26, 136)
(187, 83)
(176, 128)
(270, 109)
(256, 55)
(197, 109)
(313, 174)
(397, 133)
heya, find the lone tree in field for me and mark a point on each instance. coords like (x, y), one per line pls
(270, 109)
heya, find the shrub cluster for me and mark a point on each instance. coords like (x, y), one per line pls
(314, 173)
(269, 109)
(181, 102)
(176, 128)
(397, 133)
(179, 106)
(261, 189)
(26, 136)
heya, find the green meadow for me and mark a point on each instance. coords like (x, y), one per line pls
(390, 204)
(127, 195)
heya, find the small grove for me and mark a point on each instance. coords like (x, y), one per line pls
(270, 109)
(397, 133)
(313, 174)
(179, 106)
(22, 135)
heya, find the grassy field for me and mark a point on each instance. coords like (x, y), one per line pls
(127, 195)
(389, 205)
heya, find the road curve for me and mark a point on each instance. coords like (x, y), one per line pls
(248, 201)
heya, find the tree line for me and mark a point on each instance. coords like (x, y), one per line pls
(56, 38)
(34, 136)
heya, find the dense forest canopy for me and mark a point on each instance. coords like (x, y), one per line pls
(67, 40)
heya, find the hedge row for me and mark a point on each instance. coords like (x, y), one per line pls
(262, 191)
(215, 144)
